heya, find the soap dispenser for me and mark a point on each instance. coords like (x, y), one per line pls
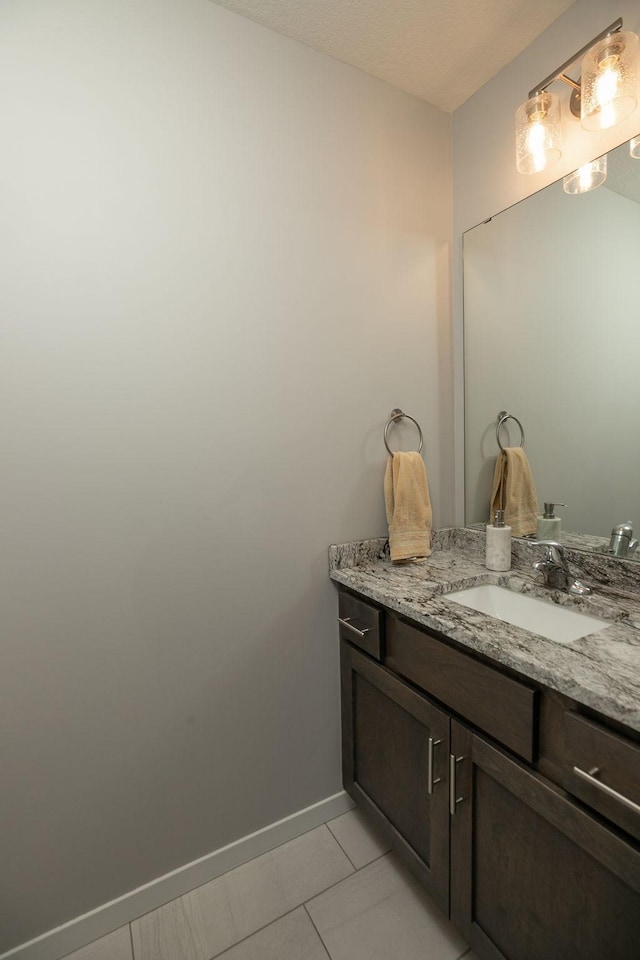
(498, 544)
(548, 527)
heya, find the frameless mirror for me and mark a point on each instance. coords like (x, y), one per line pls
(552, 336)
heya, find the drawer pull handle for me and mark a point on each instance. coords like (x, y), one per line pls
(431, 743)
(610, 792)
(359, 633)
(453, 800)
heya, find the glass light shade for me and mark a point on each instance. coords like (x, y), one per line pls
(610, 81)
(538, 133)
(634, 148)
(587, 177)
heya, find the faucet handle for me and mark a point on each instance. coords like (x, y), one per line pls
(554, 549)
(622, 543)
(624, 529)
(555, 558)
(548, 543)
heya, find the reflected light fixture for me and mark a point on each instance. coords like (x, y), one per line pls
(634, 148)
(587, 177)
(606, 94)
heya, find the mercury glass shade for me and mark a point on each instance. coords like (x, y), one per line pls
(610, 77)
(634, 148)
(587, 177)
(538, 133)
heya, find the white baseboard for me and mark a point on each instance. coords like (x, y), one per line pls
(90, 926)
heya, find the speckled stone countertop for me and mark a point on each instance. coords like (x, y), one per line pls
(601, 671)
(577, 541)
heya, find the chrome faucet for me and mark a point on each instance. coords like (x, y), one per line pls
(622, 543)
(555, 569)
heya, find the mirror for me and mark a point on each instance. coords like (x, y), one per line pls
(552, 336)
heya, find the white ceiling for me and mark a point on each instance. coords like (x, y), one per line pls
(439, 50)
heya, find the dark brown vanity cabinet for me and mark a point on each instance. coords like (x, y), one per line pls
(441, 748)
(395, 747)
(534, 875)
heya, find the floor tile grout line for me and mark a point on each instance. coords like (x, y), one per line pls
(253, 933)
(341, 847)
(355, 866)
(326, 948)
(375, 859)
(355, 870)
(297, 907)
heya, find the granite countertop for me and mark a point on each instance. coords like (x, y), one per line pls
(601, 670)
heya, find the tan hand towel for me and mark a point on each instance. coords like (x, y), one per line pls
(515, 492)
(406, 496)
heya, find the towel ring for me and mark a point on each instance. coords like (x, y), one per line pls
(397, 414)
(503, 416)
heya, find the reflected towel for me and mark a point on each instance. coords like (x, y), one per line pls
(515, 492)
(406, 496)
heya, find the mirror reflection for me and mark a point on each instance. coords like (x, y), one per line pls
(552, 335)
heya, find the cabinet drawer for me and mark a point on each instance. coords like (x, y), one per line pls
(602, 768)
(360, 623)
(504, 708)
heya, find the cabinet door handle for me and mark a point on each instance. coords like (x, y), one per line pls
(431, 743)
(453, 800)
(345, 623)
(610, 792)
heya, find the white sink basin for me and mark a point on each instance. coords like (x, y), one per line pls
(546, 619)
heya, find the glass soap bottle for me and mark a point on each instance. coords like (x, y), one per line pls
(498, 544)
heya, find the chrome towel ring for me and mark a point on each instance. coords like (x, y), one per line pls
(396, 415)
(503, 416)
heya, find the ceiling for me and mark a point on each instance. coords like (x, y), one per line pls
(440, 50)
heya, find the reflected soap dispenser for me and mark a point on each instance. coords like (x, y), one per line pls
(548, 527)
(498, 544)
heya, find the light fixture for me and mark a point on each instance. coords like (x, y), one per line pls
(587, 177)
(634, 148)
(607, 93)
(610, 81)
(538, 133)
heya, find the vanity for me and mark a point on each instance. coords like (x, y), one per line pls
(502, 767)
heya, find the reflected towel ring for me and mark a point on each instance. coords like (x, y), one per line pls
(397, 414)
(503, 416)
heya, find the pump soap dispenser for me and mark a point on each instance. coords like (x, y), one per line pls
(498, 544)
(548, 527)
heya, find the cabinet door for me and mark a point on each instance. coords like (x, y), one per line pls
(395, 747)
(533, 874)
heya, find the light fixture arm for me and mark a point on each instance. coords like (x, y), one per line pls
(559, 74)
(571, 83)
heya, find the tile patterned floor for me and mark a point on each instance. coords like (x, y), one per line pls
(334, 893)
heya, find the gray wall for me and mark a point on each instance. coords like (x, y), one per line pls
(484, 169)
(225, 259)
